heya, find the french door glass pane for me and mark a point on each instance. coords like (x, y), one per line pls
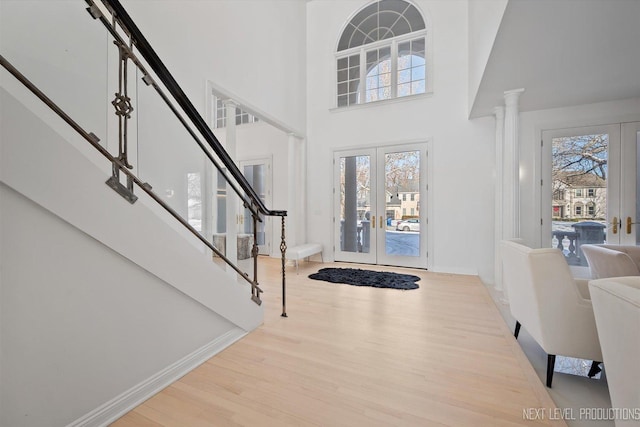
(402, 203)
(355, 204)
(579, 193)
(255, 174)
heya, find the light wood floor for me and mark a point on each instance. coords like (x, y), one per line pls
(440, 355)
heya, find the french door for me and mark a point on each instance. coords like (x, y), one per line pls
(380, 205)
(258, 173)
(589, 187)
(629, 213)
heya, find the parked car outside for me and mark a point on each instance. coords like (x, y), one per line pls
(412, 224)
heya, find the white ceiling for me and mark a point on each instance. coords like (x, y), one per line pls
(563, 53)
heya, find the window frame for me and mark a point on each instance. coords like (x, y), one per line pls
(219, 114)
(393, 44)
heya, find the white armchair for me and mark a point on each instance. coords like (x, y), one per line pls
(552, 306)
(612, 260)
(616, 304)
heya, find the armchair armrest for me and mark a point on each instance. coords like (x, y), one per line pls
(582, 285)
(634, 254)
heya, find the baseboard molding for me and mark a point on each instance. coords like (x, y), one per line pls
(120, 405)
(454, 270)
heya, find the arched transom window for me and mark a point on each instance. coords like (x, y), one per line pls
(381, 54)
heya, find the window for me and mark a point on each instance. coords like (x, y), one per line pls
(413, 211)
(591, 192)
(591, 209)
(194, 200)
(220, 115)
(381, 54)
(404, 197)
(378, 82)
(413, 197)
(579, 192)
(578, 209)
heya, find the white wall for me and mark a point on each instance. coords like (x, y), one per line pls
(254, 49)
(79, 323)
(461, 150)
(41, 39)
(531, 126)
(484, 20)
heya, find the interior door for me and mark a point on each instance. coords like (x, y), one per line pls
(379, 200)
(589, 188)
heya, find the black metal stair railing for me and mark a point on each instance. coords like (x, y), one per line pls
(134, 48)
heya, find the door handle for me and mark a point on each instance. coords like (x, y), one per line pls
(629, 224)
(615, 225)
(373, 221)
(380, 221)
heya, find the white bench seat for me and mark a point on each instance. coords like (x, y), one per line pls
(296, 253)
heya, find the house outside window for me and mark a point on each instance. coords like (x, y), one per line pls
(382, 54)
(578, 209)
(587, 190)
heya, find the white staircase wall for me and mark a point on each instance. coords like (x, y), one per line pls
(101, 303)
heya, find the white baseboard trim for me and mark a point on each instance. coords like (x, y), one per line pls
(454, 270)
(120, 405)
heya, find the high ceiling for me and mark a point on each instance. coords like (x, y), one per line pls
(563, 53)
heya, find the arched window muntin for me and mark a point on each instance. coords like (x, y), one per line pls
(389, 68)
(380, 20)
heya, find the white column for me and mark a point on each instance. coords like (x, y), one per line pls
(292, 191)
(510, 174)
(511, 171)
(499, 176)
(302, 196)
(232, 198)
